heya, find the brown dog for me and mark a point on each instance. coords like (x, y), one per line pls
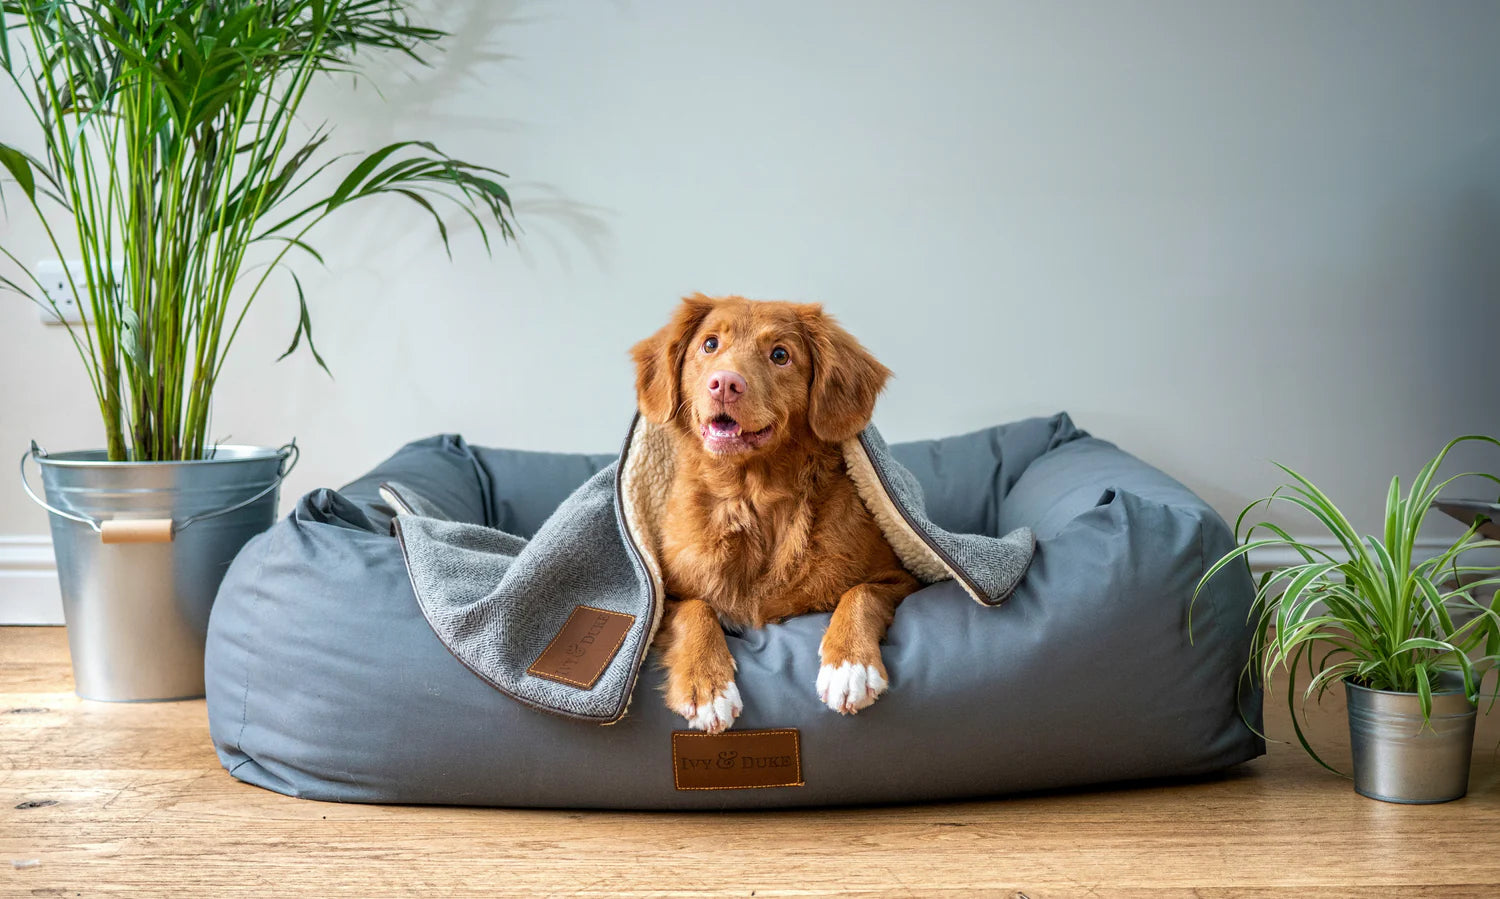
(762, 521)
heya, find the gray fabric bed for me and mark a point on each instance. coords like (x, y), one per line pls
(325, 680)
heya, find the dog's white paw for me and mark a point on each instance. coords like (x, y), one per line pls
(849, 687)
(716, 715)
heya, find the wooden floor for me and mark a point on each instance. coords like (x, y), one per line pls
(102, 799)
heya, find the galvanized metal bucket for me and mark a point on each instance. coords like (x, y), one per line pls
(141, 548)
(1400, 758)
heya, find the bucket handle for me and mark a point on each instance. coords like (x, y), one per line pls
(150, 530)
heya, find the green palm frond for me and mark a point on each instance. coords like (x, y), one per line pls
(170, 149)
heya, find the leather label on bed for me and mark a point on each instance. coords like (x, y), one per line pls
(736, 759)
(583, 648)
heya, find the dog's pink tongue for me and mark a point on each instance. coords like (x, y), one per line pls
(723, 428)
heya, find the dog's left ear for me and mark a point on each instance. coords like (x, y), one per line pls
(658, 360)
(846, 379)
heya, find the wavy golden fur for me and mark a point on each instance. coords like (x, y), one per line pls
(762, 521)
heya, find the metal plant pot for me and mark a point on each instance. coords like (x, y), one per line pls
(1398, 757)
(141, 548)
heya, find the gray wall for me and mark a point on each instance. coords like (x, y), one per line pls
(1217, 233)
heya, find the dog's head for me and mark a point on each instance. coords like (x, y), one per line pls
(745, 376)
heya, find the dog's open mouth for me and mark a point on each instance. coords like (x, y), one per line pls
(723, 435)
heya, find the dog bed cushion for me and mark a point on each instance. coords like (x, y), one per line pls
(325, 680)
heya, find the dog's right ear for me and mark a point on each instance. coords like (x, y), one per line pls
(658, 360)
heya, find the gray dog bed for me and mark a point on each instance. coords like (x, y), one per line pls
(326, 681)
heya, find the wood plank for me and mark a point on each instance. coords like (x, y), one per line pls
(129, 799)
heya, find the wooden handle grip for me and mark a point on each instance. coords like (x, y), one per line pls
(137, 530)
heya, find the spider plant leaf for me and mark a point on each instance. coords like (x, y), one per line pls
(1350, 543)
(1435, 601)
(1269, 594)
(1389, 575)
(1351, 608)
(1464, 544)
(1305, 578)
(1411, 644)
(1312, 631)
(1478, 633)
(1424, 478)
(1467, 590)
(1471, 544)
(1338, 646)
(1471, 682)
(1326, 677)
(1325, 510)
(1424, 690)
(1302, 549)
(1422, 494)
(1240, 551)
(1393, 512)
(1239, 521)
(1291, 705)
(1471, 569)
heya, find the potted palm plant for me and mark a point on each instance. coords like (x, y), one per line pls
(172, 163)
(1405, 636)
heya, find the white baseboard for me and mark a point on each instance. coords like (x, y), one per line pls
(28, 581)
(1270, 557)
(29, 593)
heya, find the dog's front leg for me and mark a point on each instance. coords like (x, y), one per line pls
(700, 670)
(852, 674)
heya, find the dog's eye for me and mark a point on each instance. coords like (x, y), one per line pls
(780, 356)
(710, 344)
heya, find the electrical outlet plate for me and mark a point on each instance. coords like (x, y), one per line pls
(54, 278)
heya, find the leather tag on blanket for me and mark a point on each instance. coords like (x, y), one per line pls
(583, 648)
(736, 759)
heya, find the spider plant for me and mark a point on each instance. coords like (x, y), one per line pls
(1374, 613)
(172, 154)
